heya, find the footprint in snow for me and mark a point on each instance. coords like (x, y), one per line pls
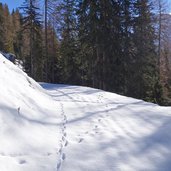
(63, 138)
(96, 126)
(63, 156)
(2, 154)
(65, 134)
(48, 154)
(66, 143)
(59, 165)
(22, 162)
(80, 140)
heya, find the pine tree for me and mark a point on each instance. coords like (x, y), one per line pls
(8, 39)
(31, 23)
(163, 23)
(68, 44)
(53, 51)
(89, 34)
(100, 34)
(1, 28)
(146, 75)
(17, 36)
(50, 39)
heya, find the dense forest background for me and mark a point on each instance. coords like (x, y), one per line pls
(122, 46)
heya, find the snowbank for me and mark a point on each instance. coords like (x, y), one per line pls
(28, 122)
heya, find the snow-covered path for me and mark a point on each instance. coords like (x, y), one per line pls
(107, 132)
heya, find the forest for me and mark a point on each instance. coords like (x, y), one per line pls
(121, 46)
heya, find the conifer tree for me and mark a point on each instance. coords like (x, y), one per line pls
(1, 28)
(8, 38)
(68, 45)
(17, 35)
(31, 23)
(146, 76)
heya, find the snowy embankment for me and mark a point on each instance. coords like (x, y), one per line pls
(28, 123)
(72, 128)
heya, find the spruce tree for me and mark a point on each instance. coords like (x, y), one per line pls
(146, 74)
(68, 44)
(1, 28)
(31, 24)
(100, 35)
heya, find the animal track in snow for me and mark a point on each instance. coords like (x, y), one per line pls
(22, 161)
(59, 165)
(63, 141)
(66, 143)
(80, 140)
(63, 156)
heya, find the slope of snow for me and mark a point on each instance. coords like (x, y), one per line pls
(29, 123)
(72, 128)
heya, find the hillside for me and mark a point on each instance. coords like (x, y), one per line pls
(28, 122)
(72, 128)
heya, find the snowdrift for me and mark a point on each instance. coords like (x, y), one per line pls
(28, 122)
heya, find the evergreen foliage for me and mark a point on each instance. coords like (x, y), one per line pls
(32, 25)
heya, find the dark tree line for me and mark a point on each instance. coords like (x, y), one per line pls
(114, 45)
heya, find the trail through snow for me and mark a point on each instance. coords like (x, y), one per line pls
(110, 132)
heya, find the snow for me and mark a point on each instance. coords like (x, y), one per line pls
(73, 128)
(29, 122)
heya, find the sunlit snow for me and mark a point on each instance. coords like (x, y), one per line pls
(72, 128)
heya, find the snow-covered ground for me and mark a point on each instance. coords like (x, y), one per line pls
(29, 123)
(72, 128)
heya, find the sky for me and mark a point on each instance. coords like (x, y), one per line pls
(12, 4)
